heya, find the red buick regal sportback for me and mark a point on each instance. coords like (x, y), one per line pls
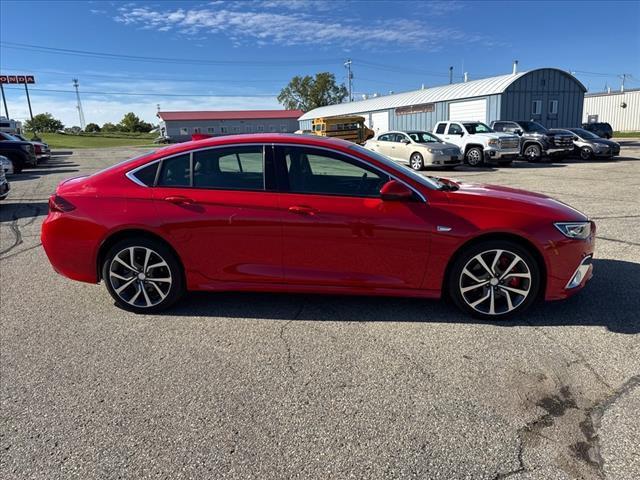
(297, 213)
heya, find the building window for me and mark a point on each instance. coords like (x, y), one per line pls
(223, 129)
(197, 130)
(184, 130)
(248, 129)
(211, 130)
(537, 107)
(283, 128)
(260, 128)
(273, 128)
(236, 129)
(553, 107)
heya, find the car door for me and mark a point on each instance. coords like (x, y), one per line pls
(384, 144)
(398, 148)
(220, 208)
(454, 134)
(336, 229)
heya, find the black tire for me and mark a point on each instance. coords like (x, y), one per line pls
(457, 280)
(18, 165)
(172, 270)
(586, 153)
(416, 162)
(474, 157)
(532, 152)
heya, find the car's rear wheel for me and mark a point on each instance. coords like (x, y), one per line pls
(474, 157)
(416, 161)
(143, 275)
(17, 165)
(586, 153)
(494, 280)
(532, 152)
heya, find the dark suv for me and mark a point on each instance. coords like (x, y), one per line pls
(20, 154)
(535, 140)
(601, 129)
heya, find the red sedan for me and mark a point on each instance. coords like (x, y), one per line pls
(297, 213)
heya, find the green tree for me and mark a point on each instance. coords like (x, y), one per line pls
(92, 127)
(131, 123)
(306, 93)
(43, 122)
(109, 127)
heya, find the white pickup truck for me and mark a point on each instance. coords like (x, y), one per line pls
(479, 143)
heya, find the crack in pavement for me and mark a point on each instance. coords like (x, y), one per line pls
(16, 228)
(285, 341)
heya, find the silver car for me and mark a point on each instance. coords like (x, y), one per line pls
(419, 148)
(4, 185)
(6, 165)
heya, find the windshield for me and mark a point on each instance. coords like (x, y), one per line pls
(532, 127)
(477, 127)
(584, 133)
(426, 181)
(423, 137)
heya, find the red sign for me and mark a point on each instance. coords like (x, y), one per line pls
(17, 79)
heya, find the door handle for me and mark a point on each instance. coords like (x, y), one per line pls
(302, 210)
(179, 200)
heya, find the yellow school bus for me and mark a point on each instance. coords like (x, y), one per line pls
(351, 128)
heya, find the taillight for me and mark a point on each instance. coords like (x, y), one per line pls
(59, 204)
(38, 148)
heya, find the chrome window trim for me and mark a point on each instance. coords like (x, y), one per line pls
(130, 173)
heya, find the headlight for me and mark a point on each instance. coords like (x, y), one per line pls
(575, 230)
(493, 142)
(431, 150)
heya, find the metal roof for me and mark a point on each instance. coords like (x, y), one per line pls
(473, 88)
(230, 115)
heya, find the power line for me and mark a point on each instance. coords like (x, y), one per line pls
(149, 94)
(186, 61)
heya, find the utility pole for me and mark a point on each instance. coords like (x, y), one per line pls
(450, 75)
(624, 78)
(79, 106)
(26, 90)
(349, 79)
(4, 100)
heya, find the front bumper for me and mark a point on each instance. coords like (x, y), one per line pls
(492, 155)
(608, 152)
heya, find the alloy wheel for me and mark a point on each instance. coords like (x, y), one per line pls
(532, 152)
(416, 161)
(495, 282)
(140, 276)
(474, 157)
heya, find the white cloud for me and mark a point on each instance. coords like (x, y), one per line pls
(264, 23)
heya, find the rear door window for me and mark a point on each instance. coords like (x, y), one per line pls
(176, 172)
(233, 168)
(440, 128)
(454, 129)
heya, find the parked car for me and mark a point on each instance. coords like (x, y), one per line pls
(303, 213)
(6, 165)
(43, 152)
(4, 185)
(536, 141)
(479, 143)
(601, 129)
(20, 154)
(588, 145)
(420, 149)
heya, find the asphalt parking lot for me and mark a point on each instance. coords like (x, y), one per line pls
(245, 385)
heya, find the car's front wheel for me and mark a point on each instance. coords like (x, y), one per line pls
(586, 153)
(143, 275)
(532, 153)
(416, 161)
(474, 157)
(494, 280)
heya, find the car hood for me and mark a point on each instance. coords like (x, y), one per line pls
(505, 198)
(602, 141)
(438, 146)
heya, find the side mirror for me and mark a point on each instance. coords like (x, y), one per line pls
(395, 191)
(517, 131)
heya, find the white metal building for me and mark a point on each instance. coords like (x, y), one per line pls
(550, 96)
(620, 109)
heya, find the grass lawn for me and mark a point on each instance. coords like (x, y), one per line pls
(626, 134)
(57, 140)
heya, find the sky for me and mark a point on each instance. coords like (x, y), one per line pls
(218, 55)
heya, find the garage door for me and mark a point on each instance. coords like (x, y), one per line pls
(471, 110)
(380, 122)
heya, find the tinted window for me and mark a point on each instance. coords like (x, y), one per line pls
(477, 127)
(176, 172)
(385, 138)
(321, 172)
(454, 128)
(147, 175)
(423, 137)
(399, 137)
(440, 128)
(234, 168)
(499, 126)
